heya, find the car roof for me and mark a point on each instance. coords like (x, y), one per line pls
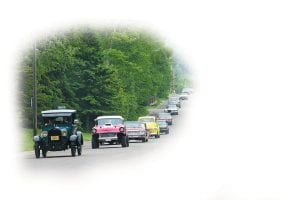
(58, 112)
(147, 117)
(112, 116)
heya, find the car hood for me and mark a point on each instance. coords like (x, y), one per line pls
(163, 126)
(165, 118)
(134, 129)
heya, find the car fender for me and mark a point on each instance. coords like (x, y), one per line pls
(36, 138)
(73, 138)
(80, 138)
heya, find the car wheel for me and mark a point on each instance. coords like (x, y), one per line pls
(123, 141)
(44, 153)
(127, 138)
(79, 150)
(37, 151)
(73, 150)
(95, 142)
(144, 140)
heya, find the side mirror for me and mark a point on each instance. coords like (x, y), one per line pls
(76, 121)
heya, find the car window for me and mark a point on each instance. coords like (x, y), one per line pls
(164, 115)
(146, 120)
(112, 121)
(163, 123)
(133, 125)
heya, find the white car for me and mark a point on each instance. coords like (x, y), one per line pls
(172, 109)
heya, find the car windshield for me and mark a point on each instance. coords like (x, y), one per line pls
(150, 119)
(162, 123)
(164, 115)
(133, 124)
(48, 121)
(112, 121)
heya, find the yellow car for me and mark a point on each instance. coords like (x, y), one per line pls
(151, 125)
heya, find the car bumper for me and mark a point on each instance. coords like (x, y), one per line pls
(108, 139)
(164, 130)
(137, 137)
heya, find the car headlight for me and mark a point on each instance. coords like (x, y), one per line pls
(64, 132)
(44, 134)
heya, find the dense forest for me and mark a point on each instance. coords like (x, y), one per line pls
(98, 72)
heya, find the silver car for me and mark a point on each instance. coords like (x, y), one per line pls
(172, 109)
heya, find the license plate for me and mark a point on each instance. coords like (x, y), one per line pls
(54, 137)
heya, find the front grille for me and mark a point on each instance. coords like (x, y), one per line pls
(54, 132)
(54, 137)
(108, 134)
(134, 133)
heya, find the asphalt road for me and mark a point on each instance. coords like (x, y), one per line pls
(106, 155)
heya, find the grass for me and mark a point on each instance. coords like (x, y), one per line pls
(27, 139)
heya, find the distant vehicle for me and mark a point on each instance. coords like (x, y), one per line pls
(163, 126)
(172, 109)
(165, 116)
(59, 132)
(183, 96)
(151, 125)
(175, 100)
(109, 129)
(136, 131)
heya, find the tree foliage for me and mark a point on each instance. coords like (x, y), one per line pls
(97, 72)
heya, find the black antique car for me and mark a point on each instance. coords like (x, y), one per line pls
(59, 132)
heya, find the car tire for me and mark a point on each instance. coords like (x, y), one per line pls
(44, 153)
(79, 150)
(95, 142)
(123, 141)
(144, 140)
(73, 150)
(37, 151)
(127, 139)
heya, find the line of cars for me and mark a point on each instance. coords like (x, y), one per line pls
(60, 129)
